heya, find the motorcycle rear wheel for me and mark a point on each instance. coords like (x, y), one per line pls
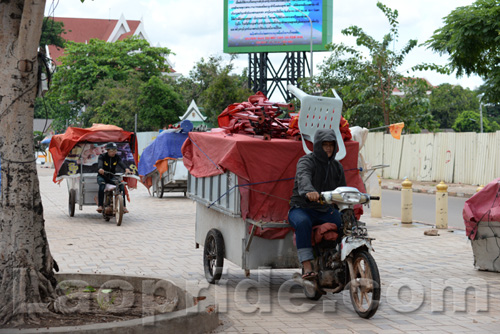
(365, 287)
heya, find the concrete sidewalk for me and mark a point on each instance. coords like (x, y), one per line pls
(423, 278)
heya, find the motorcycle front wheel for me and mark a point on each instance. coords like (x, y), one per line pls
(119, 209)
(364, 284)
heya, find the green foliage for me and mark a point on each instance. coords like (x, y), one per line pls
(366, 84)
(84, 65)
(159, 104)
(448, 101)
(116, 102)
(106, 81)
(470, 37)
(52, 32)
(470, 121)
(413, 107)
(213, 87)
(113, 102)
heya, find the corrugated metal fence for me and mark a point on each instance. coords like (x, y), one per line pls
(469, 158)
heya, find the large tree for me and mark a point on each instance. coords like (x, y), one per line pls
(448, 101)
(470, 121)
(117, 102)
(367, 83)
(27, 282)
(87, 69)
(470, 37)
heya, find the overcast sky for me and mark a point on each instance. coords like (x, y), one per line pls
(193, 29)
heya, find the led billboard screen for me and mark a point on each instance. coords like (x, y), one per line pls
(276, 26)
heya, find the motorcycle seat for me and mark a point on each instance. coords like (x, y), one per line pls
(324, 232)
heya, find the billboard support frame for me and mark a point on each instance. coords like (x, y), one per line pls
(263, 76)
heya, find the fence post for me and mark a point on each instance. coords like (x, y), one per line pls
(376, 206)
(406, 202)
(442, 205)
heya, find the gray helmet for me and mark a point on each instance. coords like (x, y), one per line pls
(111, 146)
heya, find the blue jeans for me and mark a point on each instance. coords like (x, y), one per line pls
(303, 220)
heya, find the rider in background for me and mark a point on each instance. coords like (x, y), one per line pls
(316, 172)
(108, 162)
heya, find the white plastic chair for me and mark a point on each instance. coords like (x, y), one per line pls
(318, 112)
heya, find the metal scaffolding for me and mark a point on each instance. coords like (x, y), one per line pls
(263, 76)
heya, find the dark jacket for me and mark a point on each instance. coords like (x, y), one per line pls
(109, 163)
(317, 172)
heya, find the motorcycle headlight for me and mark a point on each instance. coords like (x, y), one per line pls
(351, 197)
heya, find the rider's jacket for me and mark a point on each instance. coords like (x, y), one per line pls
(316, 172)
(109, 163)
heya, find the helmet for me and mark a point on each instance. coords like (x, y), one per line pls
(111, 146)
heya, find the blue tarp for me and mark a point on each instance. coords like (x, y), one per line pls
(166, 145)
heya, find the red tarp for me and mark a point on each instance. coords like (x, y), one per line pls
(61, 145)
(484, 206)
(254, 160)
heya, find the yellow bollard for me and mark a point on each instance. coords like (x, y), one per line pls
(376, 206)
(442, 205)
(479, 188)
(406, 202)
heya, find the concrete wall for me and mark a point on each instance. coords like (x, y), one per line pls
(470, 158)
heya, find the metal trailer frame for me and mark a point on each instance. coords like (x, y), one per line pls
(175, 179)
(83, 190)
(218, 207)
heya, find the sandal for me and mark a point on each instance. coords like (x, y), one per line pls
(125, 210)
(99, 209)
(310, 276)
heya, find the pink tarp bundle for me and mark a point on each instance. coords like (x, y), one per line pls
(484, 206)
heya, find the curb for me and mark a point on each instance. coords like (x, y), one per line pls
(430, 191)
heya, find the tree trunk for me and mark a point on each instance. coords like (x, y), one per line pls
(27, 282)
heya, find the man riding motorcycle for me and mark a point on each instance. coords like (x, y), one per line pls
(316, 172)
(107, 162)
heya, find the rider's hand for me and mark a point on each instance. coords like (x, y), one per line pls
(127, 171)
(313, 196)
(101, 171)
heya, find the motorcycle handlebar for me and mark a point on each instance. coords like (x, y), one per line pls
(117, 174)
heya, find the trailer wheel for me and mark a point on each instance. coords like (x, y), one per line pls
(159, 187)
(213, 255)
(72, 201)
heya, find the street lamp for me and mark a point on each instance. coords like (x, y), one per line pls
(481, 110)
(310, 21)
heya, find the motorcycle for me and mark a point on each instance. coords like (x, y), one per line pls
(113, 199)
(345, 262)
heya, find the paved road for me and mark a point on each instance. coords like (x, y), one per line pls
(424, 208)
(157, 239)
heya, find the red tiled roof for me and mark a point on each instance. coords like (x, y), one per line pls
(133, 26)
(82, 30)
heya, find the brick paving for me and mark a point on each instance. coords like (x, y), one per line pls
(423, 277)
